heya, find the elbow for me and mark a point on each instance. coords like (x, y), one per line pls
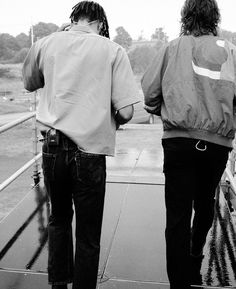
(125, 114)
(32, 86)
(28, 88)
(27, 85)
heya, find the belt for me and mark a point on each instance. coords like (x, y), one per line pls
(54, 137)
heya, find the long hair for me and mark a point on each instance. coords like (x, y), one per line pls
(92, 11)
(200, 17)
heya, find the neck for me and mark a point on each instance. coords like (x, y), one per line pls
(92, 24)
(84, 22)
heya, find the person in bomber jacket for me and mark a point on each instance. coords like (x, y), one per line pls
(191, 85)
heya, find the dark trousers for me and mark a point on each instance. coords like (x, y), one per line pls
(191, 178)
(73, 177)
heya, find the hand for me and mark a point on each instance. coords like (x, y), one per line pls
(64, 27)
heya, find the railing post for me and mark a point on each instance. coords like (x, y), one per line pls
(232, 159)
(36, 173)
(151, 119)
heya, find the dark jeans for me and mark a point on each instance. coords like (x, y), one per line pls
(191, 178)
(73, 177)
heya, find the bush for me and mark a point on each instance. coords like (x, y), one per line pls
(10, 71)
(20, 56)
(141, 56)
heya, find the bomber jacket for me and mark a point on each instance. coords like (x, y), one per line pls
(191, 84)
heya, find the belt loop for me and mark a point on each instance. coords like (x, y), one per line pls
(199, 148)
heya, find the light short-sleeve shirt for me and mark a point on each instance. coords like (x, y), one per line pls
(85, 78)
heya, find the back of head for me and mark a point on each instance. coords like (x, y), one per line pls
(200, 17)
(91, 11)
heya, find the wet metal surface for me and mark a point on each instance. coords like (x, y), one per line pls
(123, 284)
(22, 280)
(139, 155)
(23, 232)
(132, 245)
(138, 251)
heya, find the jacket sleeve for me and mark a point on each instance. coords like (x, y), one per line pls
(32, 76)
(152, 82)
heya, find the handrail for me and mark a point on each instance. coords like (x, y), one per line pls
(231, 179)
(228, 171)
(37, 156)
(14, 176)
(229, 182)
(17, 121)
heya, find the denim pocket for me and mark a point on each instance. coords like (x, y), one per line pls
(48, 165)
(91, 168)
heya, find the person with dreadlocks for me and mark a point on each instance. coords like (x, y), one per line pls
(192, 85)
(88, 90)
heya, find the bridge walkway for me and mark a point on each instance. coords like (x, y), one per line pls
(132, 245)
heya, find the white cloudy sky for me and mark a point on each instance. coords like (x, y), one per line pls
(135, 16)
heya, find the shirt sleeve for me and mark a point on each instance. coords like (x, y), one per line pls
(124, 87)
(152, 82)
(32, 75)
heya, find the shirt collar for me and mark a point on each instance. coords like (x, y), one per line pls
(82, 28)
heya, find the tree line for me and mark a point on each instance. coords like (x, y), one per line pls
(14, 49)
(140, 51)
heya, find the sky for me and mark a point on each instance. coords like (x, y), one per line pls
(136, 16)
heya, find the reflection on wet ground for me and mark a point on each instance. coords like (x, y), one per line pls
(219, 267)
(133, 245)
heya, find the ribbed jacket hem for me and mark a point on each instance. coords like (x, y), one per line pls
(201, 135)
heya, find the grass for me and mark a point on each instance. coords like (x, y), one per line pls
(13, 97)
(6, 107)
(11, 70)
(15, 145)
(11, 78)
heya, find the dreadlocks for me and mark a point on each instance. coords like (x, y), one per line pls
(92, 11)
(199, 17)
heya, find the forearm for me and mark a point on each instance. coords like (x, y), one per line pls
(153, 105)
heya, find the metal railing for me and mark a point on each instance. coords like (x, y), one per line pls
(37, 156)
(228, 179)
